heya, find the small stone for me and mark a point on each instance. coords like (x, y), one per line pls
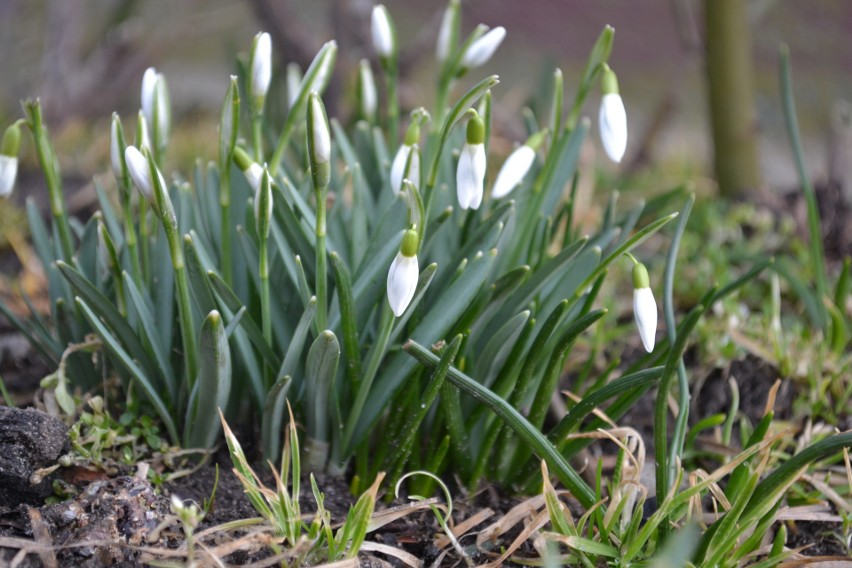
(29, 440)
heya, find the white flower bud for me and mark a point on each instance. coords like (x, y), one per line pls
(8, 173)
(254, 175)
(613, 125)
(480, 51)
(644, 307)
(382, 31)
(140, 173)
(261, 65)
(403, 274)
(155, 100)
(116, 152)
(320, 135)
(513, 171)
(470, 174)
(398, 168)
(447, 30)
(294, 83)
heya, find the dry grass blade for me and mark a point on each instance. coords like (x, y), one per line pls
(515, 515)
(403, 556)
(42, 536)
(829, 493)
(818, 562)
(537, 522)
(387, 516)
(461, 529)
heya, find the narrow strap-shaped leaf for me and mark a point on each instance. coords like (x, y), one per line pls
(497, 349)
(253, 332)
(531, 437)
(273, 416)
(114, 348)
(198, 281)
(149, 328)
(320, 369)
(348, 324)
(297, 344)
(214, 383)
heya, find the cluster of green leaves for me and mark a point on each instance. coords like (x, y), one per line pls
(306, 542)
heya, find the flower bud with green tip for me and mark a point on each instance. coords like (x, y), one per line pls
(470, 174)
(644, 306)
(140, 173)
(480, 51)
(398, 166)
(116, 150)
(403, 274)
(612, 117)
(263, 205)
(384, 35)
(516, 166)
(251, 169)
(142, 139)
(368, 100)
(156, 106)
(261, 69)
(9, 148)
(448, 33)
(319, 142)
(294, 83)
(229, 122)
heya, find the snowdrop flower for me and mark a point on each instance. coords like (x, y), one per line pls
(480, 51)
(398, 171)
(251, 169)
(319, 142)
(516, 166)
(9, 159)
(263, 204)
(644, 306)
(261, 66)
(470, 174)
(384, 38)
(116, 148)
(368, 100)
(140, 172)
(403, 274)
(294, 83)
(613, 118)
(448, 32)
(155, 104)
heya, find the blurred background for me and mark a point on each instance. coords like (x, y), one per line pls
(85, 58)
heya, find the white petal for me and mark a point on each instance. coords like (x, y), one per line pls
(149, 81)
(381, 30)
(413, 173)
(115, 151)
(261, 65)
(137, 165)
(164, 111)
(322, 137)
(470, 175)
(513, 171)
(645, 314)
(254, 174)
(613, 125)
(8, 173)
(402, 281)
(442, 48)
(369, 97)
(480, 51)
(398, 167)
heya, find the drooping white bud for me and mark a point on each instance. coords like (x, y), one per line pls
(294, 83)
(644, 307)
(140, 173)
(612, 117)
(480, 51)
(447, 33)
(254, 174)
(261, 65)
(403, 274)
(470, 174)
(8, 173)
(382, 31)
(156, 104)
(513, 171)
(149, 83)
(367, 96)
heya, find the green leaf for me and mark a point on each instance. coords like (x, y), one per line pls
(320, 369)
(294, 351)
(530, 436)
(273, 416)
(347, 319)
(213, 383)
(115, 349)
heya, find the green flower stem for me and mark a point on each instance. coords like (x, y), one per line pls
(50, 167)
(144, 240)
(682, 419)
(263, 272)
(170, 227)
(392, 81)
(376, 355)
(225, 227)
(321, 276)
(526, 431)
(257, 136)
(130, 238)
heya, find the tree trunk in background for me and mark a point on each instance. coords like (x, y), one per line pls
(731, 86)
